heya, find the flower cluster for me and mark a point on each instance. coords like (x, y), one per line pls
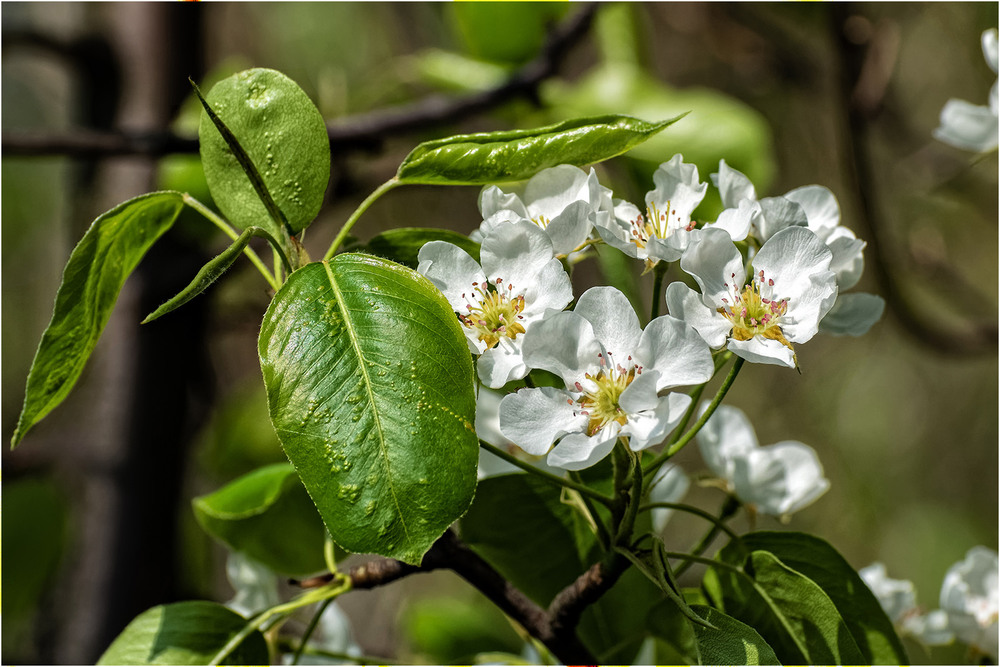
(770, 273)
(970, 126)
(969, 603)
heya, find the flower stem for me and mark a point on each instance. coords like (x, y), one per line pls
(342, 234)
(310, 629)
(634, 497)
(658, 272)
(212, 217)
(728, 509)
(718, 522)
(538, 472)
(686, 438)
(679, 555)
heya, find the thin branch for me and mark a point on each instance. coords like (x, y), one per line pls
(569, 604)
(362, 131)
(967, 340)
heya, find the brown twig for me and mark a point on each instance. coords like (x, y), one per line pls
(362, 131)
(967, 340)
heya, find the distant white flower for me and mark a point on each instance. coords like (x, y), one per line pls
(759, 318)
(520, 281)
(613, 371)
(664, 231)
(256, 585)
(670, 485)
(969, 595)
(852, 314)
(899, 600)
(564, 201)
(776, 479)
(969, 126)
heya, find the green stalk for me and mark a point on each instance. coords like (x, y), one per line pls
(310, 630)
(342, 234)
(627, 525)
(728, 509)
(554, 479)
(686, 438)
(212, 217)
(718, 522)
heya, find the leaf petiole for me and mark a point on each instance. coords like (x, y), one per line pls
(554, 479)
(342, 234)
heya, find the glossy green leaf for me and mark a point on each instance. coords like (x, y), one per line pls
(860, 609)
(402, 244)
(97, 269)
(370, 388)
(733, 643)
(212, 270)
(184, 633)
(793, 614)
(514, 155)
(283, 135)
(267, 515)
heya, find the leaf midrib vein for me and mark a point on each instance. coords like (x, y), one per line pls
(349, 328)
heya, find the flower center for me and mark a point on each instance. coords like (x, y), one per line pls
(753, 312)
(494, 312)
(541, 221)
(656, 223)
(599, 399)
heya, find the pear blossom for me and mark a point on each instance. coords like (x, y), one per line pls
(758, 318)
(969, 126)
(669, 485)
(665, 230)
(613, 371)
(564, 201)
(969, 596)
(763, 217)
(776, 479)
(898, 599)
(488, 430)
(519, 282)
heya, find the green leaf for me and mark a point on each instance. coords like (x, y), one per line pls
(184, 633)
(97, 269)
(668, 624)
(796, 618)
(267, 515)
(209, 273)
(515, 155)
(370, 387)
(452, 631)
(402, 244)
(860, 609)
(733, 643)
(285, 139)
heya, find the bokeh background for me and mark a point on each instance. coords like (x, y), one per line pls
(97, 523)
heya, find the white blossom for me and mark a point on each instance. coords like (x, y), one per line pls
(898, 599)
(519, 282)
(613, 371)
(970, 126)
(776, 479)
(969, 595)
(758, 317)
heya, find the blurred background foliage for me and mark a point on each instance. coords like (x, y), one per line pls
(905, 425)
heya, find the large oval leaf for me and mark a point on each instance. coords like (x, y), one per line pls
(249, 512)
(97, 269)
(284, 136)
(184, 633)
(370, 387)
(818, 560)
(515, 155)
(733, 643)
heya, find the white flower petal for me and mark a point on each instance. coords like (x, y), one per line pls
(570, 227)
(897, 596)
(578, 451)
(640, 394)
(517, 249)
(256, 585)
(809, 307)
(790, 258)
(649, 428)
(686, 304)
(715, 263)
(676, 192)
(666, 250)
(613, 319)
(488, 418)
(989, 42)
(778, 213)
(733, 185)
(551, 190)
(779, 479)
(930, 629)
(763, 351)
(548, 290)
(492, 223)
(563, 343)
(677, 351)
(670, 485)
(452, 270)
(853, 314)
(502, 363)
(738, 221)
(820, 206)
(968, 126)
(492, 200)
(848, 261)
(970, 597)
(534, 418)
(726, 436)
